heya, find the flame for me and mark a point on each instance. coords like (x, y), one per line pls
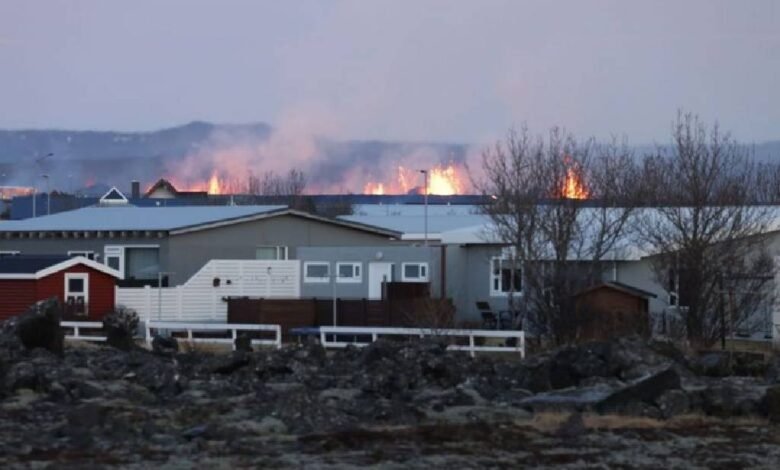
(442, 180)
(374, 188)
(573, 187)
(214, 186)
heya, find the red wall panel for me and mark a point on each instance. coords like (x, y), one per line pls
(16, 296)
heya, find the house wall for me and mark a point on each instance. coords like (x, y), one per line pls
(101, 299)
(16, 296)
(365, 255)
(61, 246)
(184, 254)
(188, 252)
(468, 280)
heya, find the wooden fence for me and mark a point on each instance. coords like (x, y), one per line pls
(405, 306)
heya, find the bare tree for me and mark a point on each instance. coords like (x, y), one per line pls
(706, 229)
(543, 190)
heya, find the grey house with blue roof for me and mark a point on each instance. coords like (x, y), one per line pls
(147, 243)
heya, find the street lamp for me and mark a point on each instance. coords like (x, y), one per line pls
(38, 162)
(48, 194)
(425, 189)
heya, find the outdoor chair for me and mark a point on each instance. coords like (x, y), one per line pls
(489, 319)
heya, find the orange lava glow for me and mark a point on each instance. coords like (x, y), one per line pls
(573, 187)
(442, 180)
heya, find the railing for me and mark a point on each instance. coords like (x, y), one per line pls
(78, 326)
(191, 328)
(375, 332)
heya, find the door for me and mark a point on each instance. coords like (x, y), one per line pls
(377, 274)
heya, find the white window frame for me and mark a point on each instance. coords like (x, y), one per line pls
(85, 294)
(84, 253)
(424, 271)
(119, 251)
(282, 252)
(357, 271)
(115, 251)
(316, 280)
(497, 277)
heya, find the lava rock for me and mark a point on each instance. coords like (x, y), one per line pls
(121, 326)
(713, 364)
(39, 326)
(771, 404)
(646, 390)
(165, 345)
(243, 343)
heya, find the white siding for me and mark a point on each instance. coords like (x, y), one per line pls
(199, 300)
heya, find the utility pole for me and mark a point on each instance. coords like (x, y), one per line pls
(425, 189)
(48, 194)
(38, 162)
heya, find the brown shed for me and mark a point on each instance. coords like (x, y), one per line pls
(611, 309)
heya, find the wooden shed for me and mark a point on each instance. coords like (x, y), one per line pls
(611, 309)
(85, 287)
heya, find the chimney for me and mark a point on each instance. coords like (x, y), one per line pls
(136, 190)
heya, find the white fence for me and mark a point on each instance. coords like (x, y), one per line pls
(78, 326)
(472, 347)
(191, 328)
(200, 298)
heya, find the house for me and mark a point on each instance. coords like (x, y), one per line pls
(164, 189)
(85, 287)
(147, 244)
(612, 309)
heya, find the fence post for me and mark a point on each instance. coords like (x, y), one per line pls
(178, 302)
(471, 344)
(147, 302)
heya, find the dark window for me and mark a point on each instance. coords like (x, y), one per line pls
(76, 286)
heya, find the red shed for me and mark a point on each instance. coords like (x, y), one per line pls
(85, 287)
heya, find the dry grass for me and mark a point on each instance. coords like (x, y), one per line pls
(187, 346)
(550, 422)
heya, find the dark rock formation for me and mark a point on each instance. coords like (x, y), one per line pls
(39, 326)
(121, 326)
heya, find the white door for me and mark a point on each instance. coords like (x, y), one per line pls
(378, 273)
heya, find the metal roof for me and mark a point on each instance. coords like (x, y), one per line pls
(119, 218)
(28, 264)
(415, 224)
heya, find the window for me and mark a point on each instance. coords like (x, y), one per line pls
(316, 271)
(135, 262)
(85, 254)
(142, 263)
(349, 272)
(271, 252)
(503, 278)
(114, 258)
(5, 253)
(414, 272)
(77, 293)
(678, 293)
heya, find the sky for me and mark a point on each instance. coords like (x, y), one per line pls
(419, 70)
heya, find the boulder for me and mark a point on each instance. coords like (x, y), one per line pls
(121, 326)
(673, 403)
(165, 345)
(732, 397)
(39, 326)
(243, 343)
(772, 372)
(771, 404)
(646, 390)
(713, 364)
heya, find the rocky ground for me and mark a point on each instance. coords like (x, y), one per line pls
(623, 403)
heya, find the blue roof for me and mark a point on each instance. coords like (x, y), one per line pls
(415, 224)
(118, 218)
(28, 264)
